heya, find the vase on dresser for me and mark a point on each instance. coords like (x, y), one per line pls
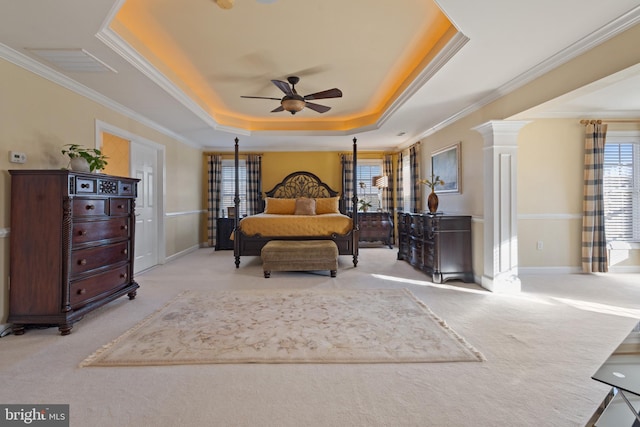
(432, 201)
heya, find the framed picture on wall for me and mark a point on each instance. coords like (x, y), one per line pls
(445, 163)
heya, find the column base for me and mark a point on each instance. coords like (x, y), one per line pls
(502, 283)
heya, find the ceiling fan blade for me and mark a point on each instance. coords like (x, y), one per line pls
(277, 110)
(329, 93)
(259, 97)
(317, 107)
(283, 86)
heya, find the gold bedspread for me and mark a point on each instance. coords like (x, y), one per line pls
(296, 225)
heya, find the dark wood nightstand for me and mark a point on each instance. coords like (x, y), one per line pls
(224, 229)
(376, 227)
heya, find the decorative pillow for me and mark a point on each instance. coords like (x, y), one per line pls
(305, 206)
(280, 206)
(326, 205)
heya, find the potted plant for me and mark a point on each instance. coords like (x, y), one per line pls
(83, 159)
(364, 205)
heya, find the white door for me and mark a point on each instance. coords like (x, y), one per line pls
(144, 166)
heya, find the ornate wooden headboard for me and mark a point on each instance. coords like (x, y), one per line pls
(301, 184)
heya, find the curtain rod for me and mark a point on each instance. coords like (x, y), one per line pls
(593, 122)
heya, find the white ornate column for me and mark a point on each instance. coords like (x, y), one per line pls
(500, 213)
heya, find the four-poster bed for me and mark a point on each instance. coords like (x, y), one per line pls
(327, 220)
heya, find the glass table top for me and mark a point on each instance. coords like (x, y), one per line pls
(622, 368)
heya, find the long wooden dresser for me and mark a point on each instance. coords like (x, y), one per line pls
(439, 245)
(71, 245)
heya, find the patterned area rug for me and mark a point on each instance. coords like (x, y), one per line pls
(288, 326)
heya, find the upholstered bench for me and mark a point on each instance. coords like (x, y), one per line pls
(299, 255)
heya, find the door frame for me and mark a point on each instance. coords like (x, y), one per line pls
(160, 182)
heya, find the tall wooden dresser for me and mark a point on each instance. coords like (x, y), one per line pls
(71, 245)
(439, 245)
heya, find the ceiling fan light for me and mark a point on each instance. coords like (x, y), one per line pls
(293, 105)
(225, 4)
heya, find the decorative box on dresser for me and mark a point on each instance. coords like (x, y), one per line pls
(439, 245)
(71, 245)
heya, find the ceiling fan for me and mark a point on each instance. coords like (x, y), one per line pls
(293, 102)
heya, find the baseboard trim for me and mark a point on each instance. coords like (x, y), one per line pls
(624, 269)
(530, 271)
(5, 329)
(182, 253)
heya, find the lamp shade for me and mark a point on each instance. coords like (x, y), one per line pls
(380, 181)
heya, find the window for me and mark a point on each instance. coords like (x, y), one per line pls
(228, 186)
(367, 169)
(622, 187)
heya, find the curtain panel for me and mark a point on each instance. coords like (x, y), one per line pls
(347, 181)
(399, 184)
(254, 184)
(594, 242)
(414, 164)
(214, 181)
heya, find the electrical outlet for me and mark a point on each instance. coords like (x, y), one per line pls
(539, 245)
(17, 157)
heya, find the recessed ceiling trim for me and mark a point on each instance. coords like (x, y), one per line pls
(452, 47)
(120, 47)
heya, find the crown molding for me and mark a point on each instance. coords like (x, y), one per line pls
(612, 29)
(29, 64)
(452, 47)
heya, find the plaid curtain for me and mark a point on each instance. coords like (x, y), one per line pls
(414, 164)
(347, 181)
(387, 193)
(254, 184)
(399, 184)
(214, 180)
(594, 242)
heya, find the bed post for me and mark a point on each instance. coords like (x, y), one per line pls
(236, 202)
(356, 228)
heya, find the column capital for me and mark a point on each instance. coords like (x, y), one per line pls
(500, 132)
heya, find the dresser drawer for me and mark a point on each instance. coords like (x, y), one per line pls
(99, 256)
(91, 231)
(119, 206)
(86, 186)
(89, 207)
(126, 188)
(84, 290)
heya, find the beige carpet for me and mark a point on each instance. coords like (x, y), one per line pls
(288, 326)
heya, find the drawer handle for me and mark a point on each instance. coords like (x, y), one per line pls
(82, 291)
(125, 251)
(82, 232)
(83, 261)
(120, 206)
(84, 185)
(123, 275)
(125, 188)
(124, 227)
(90, 207)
